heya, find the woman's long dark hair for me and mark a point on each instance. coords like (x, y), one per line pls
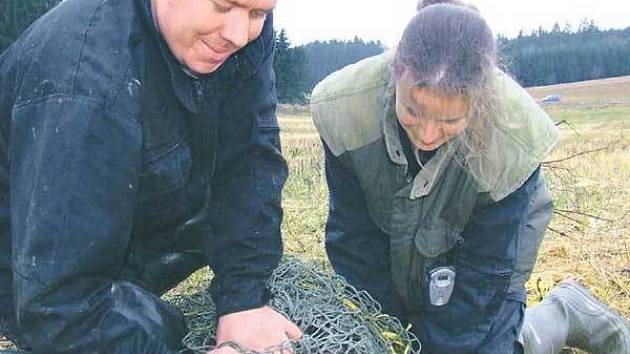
(448, 47)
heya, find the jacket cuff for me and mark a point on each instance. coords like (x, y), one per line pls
(235, 294)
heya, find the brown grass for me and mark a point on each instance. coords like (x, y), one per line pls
(593, 93)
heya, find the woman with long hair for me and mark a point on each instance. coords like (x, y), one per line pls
(437, 200)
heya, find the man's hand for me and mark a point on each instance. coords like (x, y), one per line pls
(256, 329)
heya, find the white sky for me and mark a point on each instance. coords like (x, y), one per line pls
(309, 20)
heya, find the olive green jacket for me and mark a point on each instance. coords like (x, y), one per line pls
(425, 214)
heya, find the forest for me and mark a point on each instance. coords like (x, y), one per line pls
(542, 57)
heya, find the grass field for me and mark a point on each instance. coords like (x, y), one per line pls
(588, 174)
(613, 91)
(591, 229)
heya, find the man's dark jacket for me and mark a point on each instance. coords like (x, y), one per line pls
(120, 173)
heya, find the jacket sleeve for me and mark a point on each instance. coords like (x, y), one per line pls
(74, 176)
(356, 248)
(482, 316)
(245, 212)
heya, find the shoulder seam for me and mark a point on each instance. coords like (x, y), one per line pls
(83, 40)
(334, 97)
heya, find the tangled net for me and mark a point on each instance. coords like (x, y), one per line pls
(334, 316)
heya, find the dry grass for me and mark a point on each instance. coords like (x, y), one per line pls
(305, 194)
(591, 229)
(587, 93)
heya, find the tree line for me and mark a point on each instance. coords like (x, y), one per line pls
(300, 68)
(540, 58)
(564, 55)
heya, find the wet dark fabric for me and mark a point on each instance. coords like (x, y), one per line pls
(482, 316)
(120, 174)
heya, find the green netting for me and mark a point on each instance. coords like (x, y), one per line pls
(334, 316)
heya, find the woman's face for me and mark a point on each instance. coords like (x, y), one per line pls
(429, 118)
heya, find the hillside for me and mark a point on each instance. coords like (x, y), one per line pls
(612, 91)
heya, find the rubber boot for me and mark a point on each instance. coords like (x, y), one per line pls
(571, 316)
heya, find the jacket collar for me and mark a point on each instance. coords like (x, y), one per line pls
(188, 87)
(390, 131)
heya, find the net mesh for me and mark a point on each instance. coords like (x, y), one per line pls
(334, 316)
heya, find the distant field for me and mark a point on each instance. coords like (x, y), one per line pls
(596, 93)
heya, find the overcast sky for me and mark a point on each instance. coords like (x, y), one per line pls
(309, 20)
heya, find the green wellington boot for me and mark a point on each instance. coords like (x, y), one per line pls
(571, 316)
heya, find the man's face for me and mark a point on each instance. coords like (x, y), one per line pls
(202, 34)
(428, 118)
